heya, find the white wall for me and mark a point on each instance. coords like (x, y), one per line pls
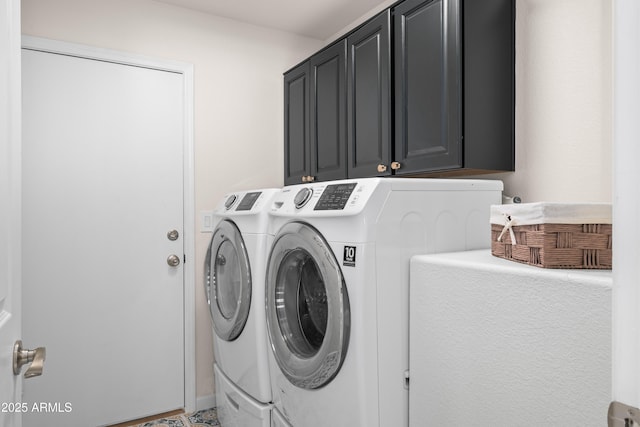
(238, 97)
(563, 99)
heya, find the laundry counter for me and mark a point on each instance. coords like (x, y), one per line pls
(496, 343)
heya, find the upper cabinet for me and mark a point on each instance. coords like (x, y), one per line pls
(315, 118)
(428, 87)
(297, 155)
(328, 113)
(430, 91)
(369, 98)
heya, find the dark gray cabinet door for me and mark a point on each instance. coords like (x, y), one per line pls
(428, 127)
(297, 158)
(328, 113)
(369, 98)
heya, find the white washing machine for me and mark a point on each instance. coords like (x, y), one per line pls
(337, 290)
(234, 285)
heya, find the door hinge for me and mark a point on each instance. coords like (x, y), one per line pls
(621, 415)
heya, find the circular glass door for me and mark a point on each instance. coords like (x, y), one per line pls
(308, 315)
(227, 279)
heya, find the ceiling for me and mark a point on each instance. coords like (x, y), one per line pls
(319, 19)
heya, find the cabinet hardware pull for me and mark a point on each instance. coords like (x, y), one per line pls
(395, 165)
(382, 168)
(311, 178)
(304, 179)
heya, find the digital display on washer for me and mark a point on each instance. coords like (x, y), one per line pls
(334, 197)
(248, 201)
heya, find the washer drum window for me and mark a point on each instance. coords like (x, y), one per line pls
(308, 314)
(227, 278)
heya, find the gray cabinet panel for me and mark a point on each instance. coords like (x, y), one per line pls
(489, 84)
(369, 98)
(427, 91)
(296, 130)
(328, 113)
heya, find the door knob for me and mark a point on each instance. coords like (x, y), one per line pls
(382, 168)
(173, 235)
(22, 357)
(173, 260)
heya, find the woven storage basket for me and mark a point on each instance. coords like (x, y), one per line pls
(553, 235)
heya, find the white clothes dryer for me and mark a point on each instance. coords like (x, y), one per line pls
(234, 285)
(337, 289)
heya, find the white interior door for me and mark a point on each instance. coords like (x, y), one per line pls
(102, 187)
(10, 385)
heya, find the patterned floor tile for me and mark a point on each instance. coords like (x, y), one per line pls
(207, 417)
(204, 418)
(166, 422)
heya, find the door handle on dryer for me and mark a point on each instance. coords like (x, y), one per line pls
(22, 357)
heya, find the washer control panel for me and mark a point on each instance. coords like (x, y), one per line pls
(335, 197)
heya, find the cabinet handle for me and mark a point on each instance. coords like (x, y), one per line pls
(382, 168)
(311, 178)
(304, 179)
(395, 165)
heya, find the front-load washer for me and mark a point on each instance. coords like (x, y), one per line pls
(337, 289)
(234, 285)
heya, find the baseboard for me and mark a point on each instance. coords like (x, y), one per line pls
(205, 402)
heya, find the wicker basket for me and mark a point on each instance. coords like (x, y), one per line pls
(552, 235)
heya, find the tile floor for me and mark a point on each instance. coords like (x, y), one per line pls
(204, 418)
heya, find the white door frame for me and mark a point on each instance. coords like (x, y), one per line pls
(626, 202)
(52, 46)
(10, 207)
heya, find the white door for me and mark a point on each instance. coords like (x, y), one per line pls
(10, 385)
(102, 188)
(626, 211)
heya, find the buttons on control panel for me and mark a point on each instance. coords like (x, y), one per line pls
(335, 197)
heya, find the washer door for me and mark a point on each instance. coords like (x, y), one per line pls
(227, 278)
(308, 315)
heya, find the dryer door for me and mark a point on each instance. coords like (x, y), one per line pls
(308, 315)
(227, 278)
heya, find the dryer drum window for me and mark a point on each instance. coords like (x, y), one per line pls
(226, 274)
(301, 303)
(228, 281)
(308, 313)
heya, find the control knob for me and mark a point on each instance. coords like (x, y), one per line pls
(303, 196)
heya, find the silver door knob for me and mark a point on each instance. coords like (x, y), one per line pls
(173, 235)
(22, 357)
(173, 260)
